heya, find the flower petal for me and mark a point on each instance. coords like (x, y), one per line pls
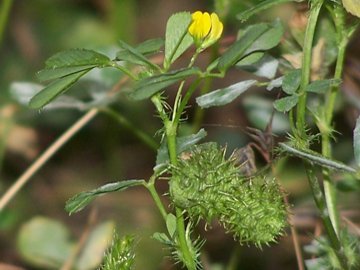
(216, 27)
(200, 26)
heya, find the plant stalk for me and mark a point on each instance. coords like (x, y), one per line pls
(171, 131)
(306, 65)
(151, 187)
(324, 213)
(329, 187)
(338, 15)
(4, 15)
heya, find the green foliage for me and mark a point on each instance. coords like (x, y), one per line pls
(135, 56)
(258, 37)
(121, 255)
(208, 186)
(149, 86)
(322, 86)
(286, 104)
(316, 158)
(79, 201)
(76, 57)
(291, 81)
(67, 67)
(224, 96)
(245, 15)
(150, 46)
(54, 89)
(177, 38)
(204, 184)
(238, 49)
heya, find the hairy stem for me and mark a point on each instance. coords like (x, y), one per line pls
(329, 187)
(171, 131)
(306, 65)
(324, 213)
(151, 187)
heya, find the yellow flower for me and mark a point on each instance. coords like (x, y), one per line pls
(205, 29)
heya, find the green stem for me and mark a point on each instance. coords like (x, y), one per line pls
(329, 186)
(301, 126)
(144, 137)
(124, 70)
(306, 65)
(171, 131)
(4, 15)
(151, 187)
(185, 100)
(338, 14)
(321, 205)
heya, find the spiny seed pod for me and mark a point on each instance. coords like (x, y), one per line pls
(209, 186)
(121, 254)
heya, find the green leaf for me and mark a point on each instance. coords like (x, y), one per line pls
(291, 81)
(77, 57)
(245, 15)
(171, 224)
(132, 55)
(316, 158)
(264, 67)
(357, 141)
(238, 49)
(150, 46)
(79, 201)
(286, 104)
(182, 144)
(177, 38)
(269, 39)
(44, 243)
(322, 86)
(70, 62)
(54, 89)
(51, 74)
(250, 59)
(225, 95)
(152, 85)
(162, 238)
(96, 244)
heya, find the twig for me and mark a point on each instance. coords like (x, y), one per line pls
(65, 137)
